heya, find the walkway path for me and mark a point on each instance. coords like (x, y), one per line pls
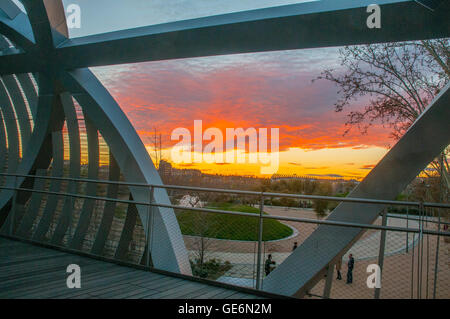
(244, 263)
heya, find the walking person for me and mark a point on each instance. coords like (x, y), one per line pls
(268, 265)
(338, 269)
(295, 246)
(350, 265)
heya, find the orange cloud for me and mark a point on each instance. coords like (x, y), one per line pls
(267, 90)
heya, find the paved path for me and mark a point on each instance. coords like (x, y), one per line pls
(368, 247)
(244, 268)
(365, 248)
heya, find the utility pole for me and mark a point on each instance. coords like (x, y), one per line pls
(160, 149)
(157, 148)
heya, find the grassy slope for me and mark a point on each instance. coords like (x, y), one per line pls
(231, 227)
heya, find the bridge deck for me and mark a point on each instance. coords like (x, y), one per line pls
(29, 271)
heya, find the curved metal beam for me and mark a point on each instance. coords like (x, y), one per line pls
(20, 109)
(9, 8)
(3, 148)
(109, 209)
(134, 162)
(55, 186)
(74, 168)
(91, 188)
(30, 93)
(48, 22)
(26, 224)
(18, 30)
(12, 129)
(37, 155)
(127, 231)
(132, 158)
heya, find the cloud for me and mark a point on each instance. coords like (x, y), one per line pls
(360, 147)
(186, 165)
(367, 167)
(326, 175)
(263, 90)
(296, 164)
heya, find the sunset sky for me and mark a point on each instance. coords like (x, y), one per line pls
(263, 90)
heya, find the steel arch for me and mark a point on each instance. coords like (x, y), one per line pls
(102, 114)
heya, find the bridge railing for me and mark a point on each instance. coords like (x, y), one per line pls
(229, 235)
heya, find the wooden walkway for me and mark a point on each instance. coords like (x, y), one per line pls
(29, 271)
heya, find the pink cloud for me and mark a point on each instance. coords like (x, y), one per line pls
(264, 90)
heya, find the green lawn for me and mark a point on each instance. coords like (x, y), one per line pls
(230, 227)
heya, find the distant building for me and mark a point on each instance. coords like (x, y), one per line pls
(186, 172)
(165, 168)
(338, 184)
(279, 177)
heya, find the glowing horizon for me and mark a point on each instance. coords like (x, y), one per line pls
(348, 163)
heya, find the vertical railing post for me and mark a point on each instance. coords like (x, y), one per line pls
(428, 255)
(13, 207)
(407, 226)
(70, 217)
(328, 282)
(149, 225)
(436, 262)
(412, 267)
(381, 251)
(254, 266)
(420, 252)
(260, 237)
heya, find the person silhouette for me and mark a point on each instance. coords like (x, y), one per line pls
(338, 269)
(268, 265)
(350, 265)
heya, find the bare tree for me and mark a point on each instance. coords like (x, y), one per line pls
(202, 241)
(204, 225)
(400, 80)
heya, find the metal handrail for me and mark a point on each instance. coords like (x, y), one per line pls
(236, 213)
(413, 218)
(240, 192)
